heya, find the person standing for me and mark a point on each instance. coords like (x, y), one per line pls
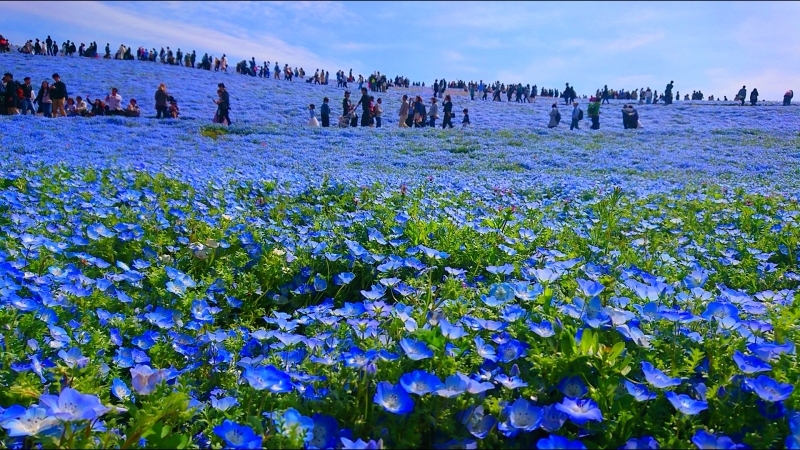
(364, 102)
(668, 94)
(161, 101)
(404, 112)
(27, 97)
(594, 112)
(433, 113)
(49, 42)
(555, 116)
(448, 112)
(45, 105)
(605, 94)
(58, 93)
(10, 97)
(346, 104)
(787, 97)
(742, 95)
(754, 97)
(577, 115)
(378, 112)
(325, 113)
(472, 91)
(224, 104)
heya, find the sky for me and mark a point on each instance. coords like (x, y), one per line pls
(716, 47)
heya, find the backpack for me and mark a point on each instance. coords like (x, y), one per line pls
(580, 114)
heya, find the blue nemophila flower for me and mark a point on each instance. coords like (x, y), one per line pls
(416, 350)
(510, 382)
(120, 390)
(484, 350)
(70, 405)
(32, 422)
(393, 398)
(793, 440)
(224, 403)
(657, 378)
(555, 442)
(686, 404)
(144, 379)
(769, 351)
(573, 387)
(324, 433)
(769, 389)
(344, 278)
(420, 382)
(590, 288)
(750, 364)
(360, 445)
(268, 378)
(705, 440)
(639, 391)
(292, 424)
(454, 385)
(552, 419)
(642, 443)
(523, 415)
(73, 358)
(580, 411)
(238, 436)
(511, 350)
(505, 269)
(543, 329)
(547, 275)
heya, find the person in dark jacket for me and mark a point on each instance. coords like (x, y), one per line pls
(630, 117)
(224, 104)
(447, 106)
(605, 94)
(9, 96)
(325, 112)
(58, 94)
(26, 104)
(787, 97)
(365, 112)
(754, 97)
(742, 95)
(668, 94)
(161, 101)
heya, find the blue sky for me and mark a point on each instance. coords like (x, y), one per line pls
(716, 47)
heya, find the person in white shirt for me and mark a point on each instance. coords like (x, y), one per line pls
(223, 64)
(114, 103)
(81, 108)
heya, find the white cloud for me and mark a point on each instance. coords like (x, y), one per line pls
(132, 28)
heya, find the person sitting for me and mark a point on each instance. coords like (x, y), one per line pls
(114, 103)
(81, 109)
(133, 109)
(174, 111)
(98, 107)
(70, 108)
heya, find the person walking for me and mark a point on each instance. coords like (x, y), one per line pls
(754, 97)
(223, 104)
(448, 112)
(325, 113)
(555, 116)
(26, 104)
(433, 113)
(161, 101)
(577, 116)
(404, 112)
(742, 94)
(58, 94)
(594, 112)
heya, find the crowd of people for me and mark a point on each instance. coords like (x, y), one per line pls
(52, 100)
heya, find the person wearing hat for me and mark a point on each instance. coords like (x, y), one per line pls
(555, 116)
(594, 112)
(224, 104)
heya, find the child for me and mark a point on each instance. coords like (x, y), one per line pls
(378, 110)
(133, 109)
(465, 122)
(325, 111)
(312, 116)
(174, 111)
(70, 108)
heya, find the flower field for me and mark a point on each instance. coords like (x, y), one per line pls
(174, 284)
